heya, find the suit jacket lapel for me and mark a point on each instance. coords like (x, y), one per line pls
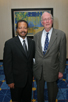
(18, 43)
(53, 38)
(39, 42)
(29, 47)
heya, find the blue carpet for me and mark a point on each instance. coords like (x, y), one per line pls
(62, 84)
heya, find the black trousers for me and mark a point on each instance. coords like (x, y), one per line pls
(52, 90)
(19, 94)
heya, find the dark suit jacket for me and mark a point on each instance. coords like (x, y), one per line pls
(18, 66)
(54, 59)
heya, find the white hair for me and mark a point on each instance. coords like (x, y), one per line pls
(47, 12)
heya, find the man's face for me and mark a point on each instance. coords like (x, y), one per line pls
(22, 29)
(47, 21)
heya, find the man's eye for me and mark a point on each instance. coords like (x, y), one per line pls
(19, 27)
(25, 28)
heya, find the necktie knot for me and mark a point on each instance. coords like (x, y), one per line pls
(47, 33)
(24, 41)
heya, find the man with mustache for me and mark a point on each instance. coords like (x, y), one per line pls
(18, 63)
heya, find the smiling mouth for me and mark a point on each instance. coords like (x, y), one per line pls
(23, 33)
(47, 24)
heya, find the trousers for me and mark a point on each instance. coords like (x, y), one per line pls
(51, 87)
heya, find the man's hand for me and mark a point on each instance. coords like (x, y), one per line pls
(11, 85)
(60, 75)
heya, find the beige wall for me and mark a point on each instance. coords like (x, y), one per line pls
(60, 16)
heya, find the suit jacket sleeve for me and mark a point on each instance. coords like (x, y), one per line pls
(62, 53)
(7, 63)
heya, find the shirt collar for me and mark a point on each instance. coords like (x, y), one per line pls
(49, 31)
(21, 39)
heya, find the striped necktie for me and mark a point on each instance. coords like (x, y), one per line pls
(46, 44)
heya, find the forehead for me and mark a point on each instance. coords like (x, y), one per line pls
(22, 24)
(46, 15)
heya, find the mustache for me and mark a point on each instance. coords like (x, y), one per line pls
(23, 32)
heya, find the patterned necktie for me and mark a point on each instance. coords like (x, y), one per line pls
(24, 46)
(46, 44)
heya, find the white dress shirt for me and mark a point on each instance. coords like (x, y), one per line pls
(44, 37)
(21, 40)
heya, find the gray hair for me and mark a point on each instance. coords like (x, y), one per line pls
(47, 12)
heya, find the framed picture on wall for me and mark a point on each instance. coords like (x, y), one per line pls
(32, 16)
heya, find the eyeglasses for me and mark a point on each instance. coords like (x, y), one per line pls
(46, 19)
